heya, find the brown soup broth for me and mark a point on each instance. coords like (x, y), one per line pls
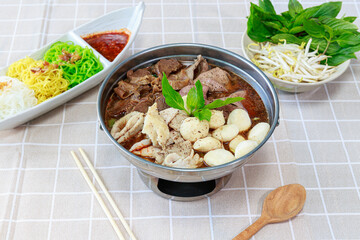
(252, 103)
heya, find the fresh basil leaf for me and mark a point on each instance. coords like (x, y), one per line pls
(256, 30)
(322, 43)
(219, 103)
(294, 7)
(306, 14)
(263, 14)
(347, 39)
(329, 32)
(339, 59)
(200, 95)
(330, 9)
(287, 15)
(316, 42)
(338, 25)
(267, 6)
(314, 29)
(276, 25)
(278, 38)
(297, 29)
(172, 97)
(349, 19)
(332, 49)
(203, 114)
(285, 22)
(191, 99)
(349, 50)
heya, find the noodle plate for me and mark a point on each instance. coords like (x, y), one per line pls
(30, 82)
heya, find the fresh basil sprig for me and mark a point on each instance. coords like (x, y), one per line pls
(195, 102)
(172, 97)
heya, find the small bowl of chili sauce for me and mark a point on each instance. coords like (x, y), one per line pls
(108, 43)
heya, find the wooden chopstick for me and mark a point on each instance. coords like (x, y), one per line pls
(97, 195)
(108, 196)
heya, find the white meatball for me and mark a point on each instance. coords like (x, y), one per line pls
(233, 143)
(193, 129)
(240, 118)
(218, 157)
(244, 147)
(226, 133)
(207, 144)
(259, 132)
(217, 119)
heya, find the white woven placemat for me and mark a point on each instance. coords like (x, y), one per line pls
(43, 195)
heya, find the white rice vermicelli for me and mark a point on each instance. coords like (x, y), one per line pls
(15, 97)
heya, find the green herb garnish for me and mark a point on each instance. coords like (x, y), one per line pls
(195, 101)
(111, 122)
(335, 37)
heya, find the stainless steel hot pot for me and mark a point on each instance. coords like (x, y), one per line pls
(178, 183)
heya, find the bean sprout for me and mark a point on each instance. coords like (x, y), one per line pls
(291, 62)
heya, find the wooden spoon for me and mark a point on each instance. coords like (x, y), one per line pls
(280, 205)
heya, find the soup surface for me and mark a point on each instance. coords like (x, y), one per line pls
(140, 120)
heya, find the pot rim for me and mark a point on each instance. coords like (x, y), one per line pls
(233, 163)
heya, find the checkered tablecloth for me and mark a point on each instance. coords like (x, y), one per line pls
(43, 195)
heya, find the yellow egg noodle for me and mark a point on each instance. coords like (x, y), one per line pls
(44, 78)
(15, 70)
(15, 97)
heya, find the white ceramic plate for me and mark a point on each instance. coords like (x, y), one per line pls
(129, 18)
(291, 86)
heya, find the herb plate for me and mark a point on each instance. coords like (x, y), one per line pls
(128, 18)
(292, 86)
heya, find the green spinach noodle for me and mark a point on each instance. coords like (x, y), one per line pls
(77, 63)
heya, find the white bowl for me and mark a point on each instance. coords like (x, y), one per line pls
(129, 18)
(292, 86)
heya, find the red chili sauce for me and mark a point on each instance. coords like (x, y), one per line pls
(108, 44)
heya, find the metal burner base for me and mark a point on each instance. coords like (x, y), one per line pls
(183, 191)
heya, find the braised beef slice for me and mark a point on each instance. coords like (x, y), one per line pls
(122, 107)
(141, 76)
(167, 66)
(199, 66)
(240, 93)
(156, 85)
(179, 80)
(144, 104)
(160, 101)
(185, 90)
(227, 109)
(213, 85)
(202, 67)
(144, 90)
(247, 103)
(216, 79)
(124, 89)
